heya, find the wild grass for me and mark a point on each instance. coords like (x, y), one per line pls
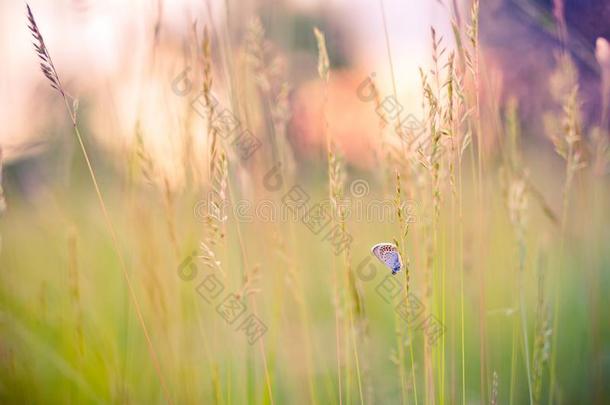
(517, 287)
(48, 68)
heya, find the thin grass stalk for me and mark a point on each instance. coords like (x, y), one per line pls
(353, 299)
(324, 73)
(513, 363)
(275, 103)
(474, 65)
(462, 144)
(523, 314)
(76, 304)
(517, 204)
(48, 68)
(450, 124)
(404, 230)
(494, 389)
(569, 150)
(397, 125)
(474, 38)
(74, 288)
(402, 140)
(542, 338)
(431, 160)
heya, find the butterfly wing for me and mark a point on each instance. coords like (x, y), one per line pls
(396, 263)
(388, 254)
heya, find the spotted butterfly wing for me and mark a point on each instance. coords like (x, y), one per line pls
(388, 254)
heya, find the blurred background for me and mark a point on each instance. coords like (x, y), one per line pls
(119, 58)
(513, 259)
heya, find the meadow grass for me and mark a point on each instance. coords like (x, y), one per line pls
(105, 292)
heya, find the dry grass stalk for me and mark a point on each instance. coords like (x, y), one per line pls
(216, 217)
(404, 224)
(472, 59)
(208, 257)
(513, 164)
(516, 196)
(324, 73)
(388, 156)
(169, 197)
(210, 105)
(146, 168)
(567, 139)
(566, 134)
(323, 61)
(248, 288)
(144, 160)
(351, 300)
(258, 53)
(269, 69)
(218, 167)
(448, 120)
(50, 72)
(437, 52)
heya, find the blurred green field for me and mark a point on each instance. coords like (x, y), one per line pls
(69, 332)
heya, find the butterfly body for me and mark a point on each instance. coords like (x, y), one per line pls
(388, 254)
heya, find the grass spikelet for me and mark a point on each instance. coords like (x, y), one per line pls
(257, 52)
(567, 139)
(46, 63)
(218, 166)
(323, 61)
(144, 160)
(269, 69)
(248, 288)
(208, 257)
(336, 180)
(566, 133)
(473, 60)
(323, 73)
(210, 105)
(216, 217)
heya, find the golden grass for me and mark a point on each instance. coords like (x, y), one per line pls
(517, 289)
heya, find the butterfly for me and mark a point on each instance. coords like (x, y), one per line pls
(388, 254)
